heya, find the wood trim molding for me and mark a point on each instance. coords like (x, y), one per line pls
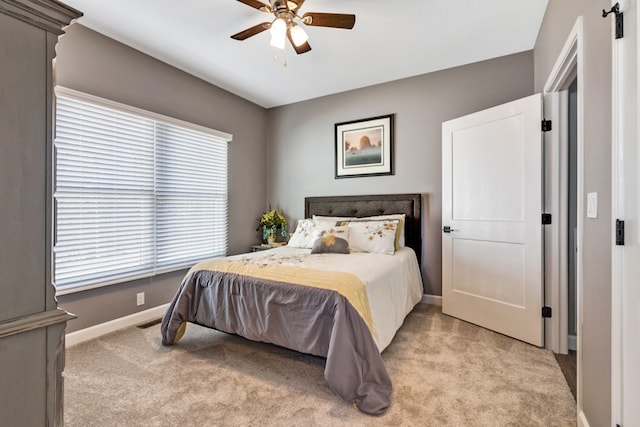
(34, 321)
(50, 15)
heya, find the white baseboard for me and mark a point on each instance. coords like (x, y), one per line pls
(582, 420)
(96, 331)
(431, 299)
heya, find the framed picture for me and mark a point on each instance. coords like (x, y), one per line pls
(364, 147)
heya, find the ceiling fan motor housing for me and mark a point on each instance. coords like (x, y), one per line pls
(279, 6)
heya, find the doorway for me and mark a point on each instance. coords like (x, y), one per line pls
(564, 240)
(572, 219)
(568, 362)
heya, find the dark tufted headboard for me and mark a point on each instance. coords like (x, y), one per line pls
(361, 206)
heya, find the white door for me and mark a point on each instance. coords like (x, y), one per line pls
(491, 217)
(626, 207)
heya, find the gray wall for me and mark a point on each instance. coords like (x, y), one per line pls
(91, 63)
(595, 331)
(301, 140)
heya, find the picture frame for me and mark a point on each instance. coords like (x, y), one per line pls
(364, 147)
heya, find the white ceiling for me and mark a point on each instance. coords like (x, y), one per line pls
(390, 40)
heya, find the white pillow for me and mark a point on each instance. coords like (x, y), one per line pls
(308, 230)
(400, 240)
(376, 237)
(400, 230)
(333, 219)
(305, 234)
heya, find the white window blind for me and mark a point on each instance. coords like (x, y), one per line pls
(135, 193)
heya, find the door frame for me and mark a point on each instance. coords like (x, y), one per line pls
(625, 112)
(568, 66)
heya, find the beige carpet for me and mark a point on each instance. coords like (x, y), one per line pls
(445, 372)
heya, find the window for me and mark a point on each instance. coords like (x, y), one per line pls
(135, 193)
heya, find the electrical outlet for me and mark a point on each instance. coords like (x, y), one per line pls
(140, 298)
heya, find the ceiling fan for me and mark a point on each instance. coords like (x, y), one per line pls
(286, 23)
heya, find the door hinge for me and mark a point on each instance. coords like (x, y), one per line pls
(546, 219)
(546, 125)
(546, 311)
(619, 232)
(619, 19)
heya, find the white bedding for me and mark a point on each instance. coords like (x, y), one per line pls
(393, 282)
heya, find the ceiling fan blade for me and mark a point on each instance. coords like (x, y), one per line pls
(303, 48)
(257, 5)
(256, 29)
(334, 20)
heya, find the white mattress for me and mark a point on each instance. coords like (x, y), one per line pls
(393, 282)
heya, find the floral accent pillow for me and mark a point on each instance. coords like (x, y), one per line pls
(307, 231)
(376, 237)
(400, 229)
(305, 234)
(334, 240)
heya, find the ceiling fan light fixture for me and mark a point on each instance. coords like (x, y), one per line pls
(278, 28)
(298, 35)
(278, 40)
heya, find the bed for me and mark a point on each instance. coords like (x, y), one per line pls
(316, 299)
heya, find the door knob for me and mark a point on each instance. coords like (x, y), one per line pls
(448, 229)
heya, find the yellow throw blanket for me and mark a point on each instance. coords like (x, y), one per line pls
(346, 284)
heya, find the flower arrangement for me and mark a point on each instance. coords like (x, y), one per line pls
(270, 222)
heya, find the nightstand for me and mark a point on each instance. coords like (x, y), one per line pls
(265, 246)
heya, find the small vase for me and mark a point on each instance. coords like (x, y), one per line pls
(269, 233)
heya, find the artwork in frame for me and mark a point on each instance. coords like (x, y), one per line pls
(364, 147)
